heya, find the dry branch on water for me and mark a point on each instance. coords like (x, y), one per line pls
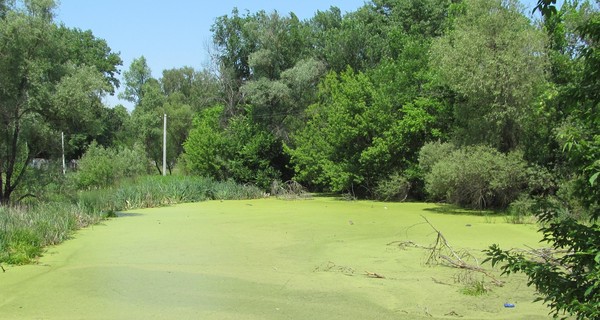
(374, 275)
(442, 253)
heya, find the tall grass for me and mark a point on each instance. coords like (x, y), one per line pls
(26, 230)
(153, 191)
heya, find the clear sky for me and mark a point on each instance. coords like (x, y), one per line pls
(174, 33)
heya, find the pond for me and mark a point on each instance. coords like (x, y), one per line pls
(322, 258)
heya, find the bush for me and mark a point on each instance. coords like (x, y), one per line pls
(45, 183)
(395, 188)
(432, 152)
(288, 190)
(103, 167)
(521, 209)
(477, 177)
(242, 150)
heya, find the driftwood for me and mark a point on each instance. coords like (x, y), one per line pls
(442, 253)
(374, 275)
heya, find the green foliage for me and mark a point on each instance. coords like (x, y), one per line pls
(198, 89)
(395, 188)
(26, 230)
(472, 286)
(157, 191)
(520, 210)
(44, 70)
(433, 152)
(569, 282)
(494, 59)
(242, 151)
(478, 177)
(253, 153)
(356, 136)
(205, 145)
(103, 167)
(135, 78)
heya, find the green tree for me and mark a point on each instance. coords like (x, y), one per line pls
(205, 149)
(83, 48)
(135, 78)
(240, 150)
(355, 136)
(495, 60)
(570, 282)
(79, 94)
(198, 89)
(36, 66)
(148, 117)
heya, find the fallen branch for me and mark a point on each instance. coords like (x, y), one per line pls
(374, 275)
(3, 270)
(453, 259)
(404, 244)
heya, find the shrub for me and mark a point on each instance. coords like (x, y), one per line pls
(521, 209)
(477, 177)
(241, 150)
(288, 190)
(45, 183)
(395, 188)
(432, 152)
(102, 167)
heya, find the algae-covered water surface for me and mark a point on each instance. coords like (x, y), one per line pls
(269, 259)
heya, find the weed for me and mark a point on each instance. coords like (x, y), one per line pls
(472, 286)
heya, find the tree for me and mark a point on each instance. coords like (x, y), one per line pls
(355, 136)
(79, 95)
(239, 149)
(198, 89)
(36, 63)
(205, 151)
(570, 282)
(135, 78)
(495, 60)
(83, 48)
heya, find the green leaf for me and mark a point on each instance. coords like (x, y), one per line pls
(593, 178)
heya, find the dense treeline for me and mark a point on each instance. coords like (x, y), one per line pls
(468, 102)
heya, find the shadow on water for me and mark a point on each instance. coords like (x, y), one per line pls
(444, 208)
(127, 214)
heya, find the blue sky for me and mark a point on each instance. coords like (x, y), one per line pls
(170, 34)
(174, 33)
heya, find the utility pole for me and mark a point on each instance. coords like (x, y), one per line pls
(164, 170)
(64, 165)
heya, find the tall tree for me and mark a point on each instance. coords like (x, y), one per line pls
(570, 282)
(199, 89)
(495, 60)
(135, 78)
(36, 68)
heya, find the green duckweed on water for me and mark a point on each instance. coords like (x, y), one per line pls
(270, 259)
